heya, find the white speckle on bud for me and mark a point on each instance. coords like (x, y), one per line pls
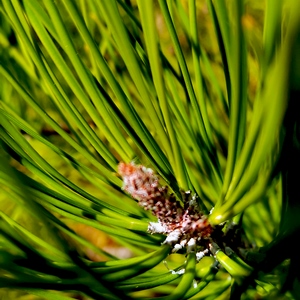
(157, 228)
(191, 245)
(201, 254)
(173, 237)
(183, 243)
(176, 248)
(179, 272)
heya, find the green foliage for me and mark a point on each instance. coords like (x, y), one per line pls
(204, 93)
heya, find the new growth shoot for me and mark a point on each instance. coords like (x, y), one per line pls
(185, 226)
